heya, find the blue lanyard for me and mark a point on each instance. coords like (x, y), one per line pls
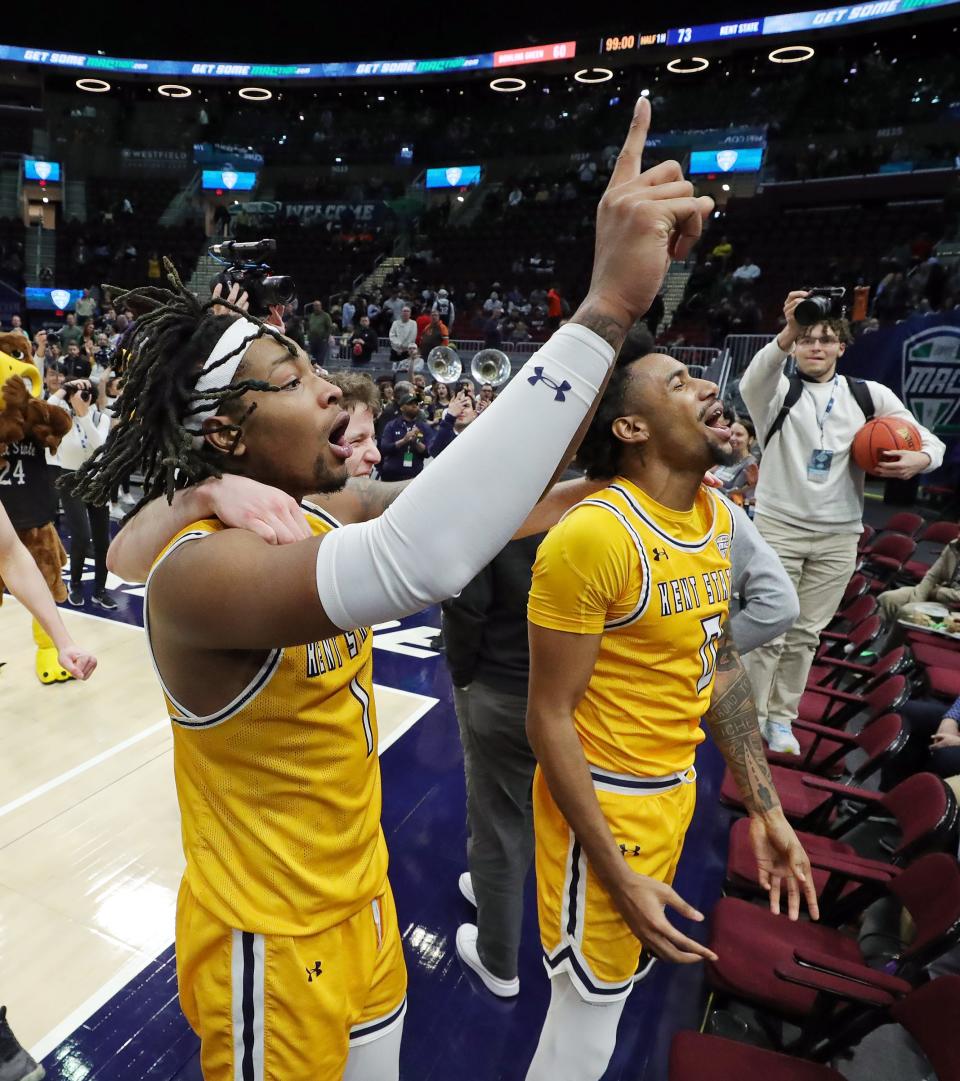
(826, 413)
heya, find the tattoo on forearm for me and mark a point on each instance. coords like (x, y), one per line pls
(611, 330)
(732, 720)
(376, 495)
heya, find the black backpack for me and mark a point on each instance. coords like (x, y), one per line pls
(858, 388)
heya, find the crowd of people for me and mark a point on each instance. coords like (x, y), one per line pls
(589, 630)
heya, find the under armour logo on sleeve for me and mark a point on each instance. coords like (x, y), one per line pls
(558, 388)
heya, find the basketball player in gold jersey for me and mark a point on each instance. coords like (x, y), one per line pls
(628, 651)
(288, 951)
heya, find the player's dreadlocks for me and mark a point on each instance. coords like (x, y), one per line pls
(168, 346)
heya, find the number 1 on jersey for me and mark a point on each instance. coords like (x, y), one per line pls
(712, 628)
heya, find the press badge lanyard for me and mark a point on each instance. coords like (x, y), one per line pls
(818, 468)
(826, 413)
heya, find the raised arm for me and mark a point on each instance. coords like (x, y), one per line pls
(732, 721)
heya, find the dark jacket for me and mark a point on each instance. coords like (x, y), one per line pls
(485, 627)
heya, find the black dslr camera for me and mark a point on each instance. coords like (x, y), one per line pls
(71, 388)
(824, 302)
(242, 266)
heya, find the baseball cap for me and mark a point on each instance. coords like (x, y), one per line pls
(406, 399)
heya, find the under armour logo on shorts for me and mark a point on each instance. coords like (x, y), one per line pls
(557, 388)
(317, 970)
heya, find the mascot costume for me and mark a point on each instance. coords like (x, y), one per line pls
(28, 427)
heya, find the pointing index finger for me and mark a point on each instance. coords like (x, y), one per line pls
(630, 162)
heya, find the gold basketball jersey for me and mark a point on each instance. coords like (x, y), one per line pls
(656, 584)
(279, 790)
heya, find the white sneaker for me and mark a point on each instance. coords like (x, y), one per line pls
(781, 739)
(467, 952)
(465, 882)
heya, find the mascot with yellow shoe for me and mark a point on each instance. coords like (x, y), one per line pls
(29, 427)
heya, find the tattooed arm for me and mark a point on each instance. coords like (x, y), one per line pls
(732, 721)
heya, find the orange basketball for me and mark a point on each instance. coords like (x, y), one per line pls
(880, 434)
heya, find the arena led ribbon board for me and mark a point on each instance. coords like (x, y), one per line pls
(214, 69)
(795, 23)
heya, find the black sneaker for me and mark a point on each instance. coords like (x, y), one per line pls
(103, 600)
(15, 1063)
(75, 596)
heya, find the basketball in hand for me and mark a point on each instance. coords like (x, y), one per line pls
(879, 435)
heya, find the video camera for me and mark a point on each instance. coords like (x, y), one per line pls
(71, 388)
(824, 302)
(242, 267)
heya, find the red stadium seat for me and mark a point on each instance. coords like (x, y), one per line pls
(884, 557)
(937, 533)
(928, 1013)
(769, 961)
(810, 800)
(906, 523)
(923, 808)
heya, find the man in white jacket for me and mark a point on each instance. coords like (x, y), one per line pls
(403, 334)
(810, 495)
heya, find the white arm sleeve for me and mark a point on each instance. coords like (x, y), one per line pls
(426, 546)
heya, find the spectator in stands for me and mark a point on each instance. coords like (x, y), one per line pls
(440, 394)
(486, 396)
(363, 343)
(403, 334)
(86, 306)
(52, 379)
(492, 301)
(361, 399)
(394, 304)
(443, 306)
(319, 331)
(723, 250)
(933, 742)
(347, 314)
(459, 413)
(940, 584)
(70, 332)
(810, 494)
(89, 524)
(554, 307)
(16, 326)
(403, 442)
(740, 478)
(435, 333)
(747, 272)
(76, 365)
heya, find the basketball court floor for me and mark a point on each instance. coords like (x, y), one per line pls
(90, 862)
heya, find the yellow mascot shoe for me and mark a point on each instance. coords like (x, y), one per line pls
(48, 667)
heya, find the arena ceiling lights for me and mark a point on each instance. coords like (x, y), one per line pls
(593, 75)
(93, 86)
(174, 90)
(694, 65)
(508, 84)
(255, 93)
(791, 54)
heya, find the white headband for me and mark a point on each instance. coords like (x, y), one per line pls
(241, 332)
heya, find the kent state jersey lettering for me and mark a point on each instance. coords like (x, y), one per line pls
(655, 583)
(279, 791)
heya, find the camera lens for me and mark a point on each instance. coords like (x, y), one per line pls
(812, 309)
(278, 289)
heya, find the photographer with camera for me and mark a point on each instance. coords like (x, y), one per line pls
(809, 497)
(363, 343)
(89, 525)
